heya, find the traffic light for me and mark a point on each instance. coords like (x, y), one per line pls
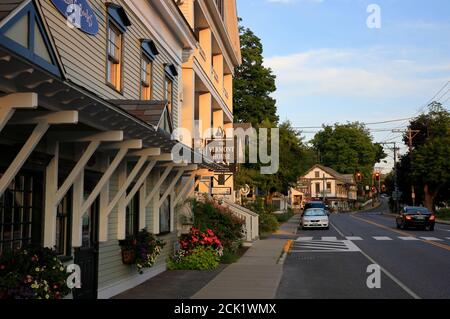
(383, 188)
(377, 177)
(359, 176)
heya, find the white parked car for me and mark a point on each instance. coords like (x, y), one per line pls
(315, 218)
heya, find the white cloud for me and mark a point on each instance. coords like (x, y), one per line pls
(353, 73)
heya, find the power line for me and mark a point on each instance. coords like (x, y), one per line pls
(421, 110)
(371, 123)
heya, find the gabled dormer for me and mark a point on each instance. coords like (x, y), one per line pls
(23, 33)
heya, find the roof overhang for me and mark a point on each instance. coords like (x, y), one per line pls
(18, 75)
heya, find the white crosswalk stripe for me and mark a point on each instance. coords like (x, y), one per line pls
(447, 238)
(329, 238)
(382, 238)
(353, 238)
(409, 238)
(304, 238)
(323, 246)
(431, 238)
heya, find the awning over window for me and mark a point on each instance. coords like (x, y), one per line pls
(149, 48)
(118, 14)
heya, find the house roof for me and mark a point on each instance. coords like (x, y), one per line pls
(147, 111)
(347, 178)
(244, 126)
(6, 7)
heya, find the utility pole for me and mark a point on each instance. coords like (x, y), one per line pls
(395, 174)
(411, 135)
(324, 194)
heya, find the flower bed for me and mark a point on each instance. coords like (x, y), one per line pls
(141, 250)
(219, 219)
(34, 273)
(198, 251)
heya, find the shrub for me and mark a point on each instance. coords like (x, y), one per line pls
(443, 213)
(32, 273)
(198, 251)
(196, 238)
(227, 226)
(200, 258)
(268, 223)
(282, 218)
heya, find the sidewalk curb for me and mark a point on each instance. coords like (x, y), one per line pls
(287, 246)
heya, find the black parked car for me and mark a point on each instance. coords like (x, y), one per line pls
(415, 217)
(315, 204)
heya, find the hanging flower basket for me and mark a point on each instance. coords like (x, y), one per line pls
(141, 250)
(128, 256)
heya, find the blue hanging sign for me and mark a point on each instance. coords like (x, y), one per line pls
(79, 14)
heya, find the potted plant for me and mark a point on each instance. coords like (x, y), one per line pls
(32, 273)
(128, 249)
(141, 250)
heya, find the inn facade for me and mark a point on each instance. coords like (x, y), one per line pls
(208, 86)
(88, 111)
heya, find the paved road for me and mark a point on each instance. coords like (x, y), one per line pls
(333, 263)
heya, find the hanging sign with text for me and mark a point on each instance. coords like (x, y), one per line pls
(79, 14)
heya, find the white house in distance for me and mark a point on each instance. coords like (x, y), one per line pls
(324, 183)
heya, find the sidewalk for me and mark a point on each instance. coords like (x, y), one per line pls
(257, 274)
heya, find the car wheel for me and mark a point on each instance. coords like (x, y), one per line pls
(403, 226)
(398, 225)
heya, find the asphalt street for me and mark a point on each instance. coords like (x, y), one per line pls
(329, 264)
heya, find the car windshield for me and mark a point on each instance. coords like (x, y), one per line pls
(314, 205)
(415, 210)
(315, 212)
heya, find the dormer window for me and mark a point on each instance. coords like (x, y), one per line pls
(149, 53)
(114, 58)
(171, 75)
(117, 25)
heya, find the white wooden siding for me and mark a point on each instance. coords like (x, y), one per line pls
(84, 56)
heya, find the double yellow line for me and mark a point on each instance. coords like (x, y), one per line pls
(444, 246)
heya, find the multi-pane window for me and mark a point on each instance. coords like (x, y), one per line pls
(164, 216)
(114, 58)
(20, 208)
(168, 93)
(132, 216)
(317, 188)
(63, 226)
(146, 78)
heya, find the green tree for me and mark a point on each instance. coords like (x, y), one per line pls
(295, 159)
(348, 148)
(253, 84)
(430, 158)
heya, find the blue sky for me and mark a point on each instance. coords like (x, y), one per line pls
(331, 67)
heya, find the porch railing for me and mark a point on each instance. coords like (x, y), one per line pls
(251, 220)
